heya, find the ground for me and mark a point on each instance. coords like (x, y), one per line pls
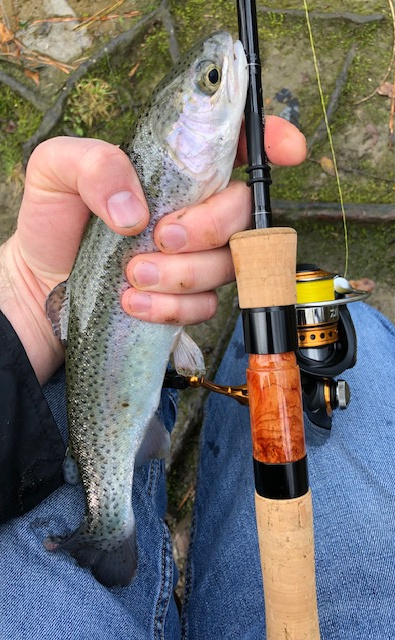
(104, 70)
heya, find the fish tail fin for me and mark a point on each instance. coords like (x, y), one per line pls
(113, 564)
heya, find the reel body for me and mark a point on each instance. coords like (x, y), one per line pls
(327, 343)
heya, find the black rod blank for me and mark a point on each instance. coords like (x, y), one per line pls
(258, 168)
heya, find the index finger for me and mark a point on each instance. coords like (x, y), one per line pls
(285, 145)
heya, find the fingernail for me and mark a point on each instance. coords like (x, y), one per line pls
(139, 303)
(146, 274)
(173, 236)
(124, 209)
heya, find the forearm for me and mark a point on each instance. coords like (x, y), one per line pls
(22, 301)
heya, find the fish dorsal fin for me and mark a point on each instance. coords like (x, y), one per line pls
(57, 308)
(188, 358)
(156, 442)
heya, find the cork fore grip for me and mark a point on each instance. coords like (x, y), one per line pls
(276, 412)
(286, 545)
(264, 262)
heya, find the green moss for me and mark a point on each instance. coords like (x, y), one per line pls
(356, 6)
(280, 33)
(26, 120)
(370, 248)
(120, 85)
(196, 19)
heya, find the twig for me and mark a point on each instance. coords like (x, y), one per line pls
(357, 18)
(32, 56)
(96, 16)
(169, 26)
(23, 91)
(21, 54)
(54, 113)
(391, 122)
(190, 493)
(129, 14)
(359, 172)
(320, 132)
(391, 5)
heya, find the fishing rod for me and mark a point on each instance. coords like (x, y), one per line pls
(265, 264)
(300, 336)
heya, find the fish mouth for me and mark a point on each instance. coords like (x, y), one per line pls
(235, 79)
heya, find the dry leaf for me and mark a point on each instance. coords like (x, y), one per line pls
(327, 165)
(5, 34)
(33, 75)
(386, 89)
(366, 284)
(133, 71)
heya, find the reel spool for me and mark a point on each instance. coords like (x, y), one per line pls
(327, 342)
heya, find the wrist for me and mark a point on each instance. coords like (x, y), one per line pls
(22, 301)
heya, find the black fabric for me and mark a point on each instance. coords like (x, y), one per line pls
(31, 447)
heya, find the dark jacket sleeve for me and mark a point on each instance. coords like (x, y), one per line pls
(31, 447)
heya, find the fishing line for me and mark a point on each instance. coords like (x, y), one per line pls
(328, 130)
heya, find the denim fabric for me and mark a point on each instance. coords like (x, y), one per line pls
(47, 596)
(352, 477)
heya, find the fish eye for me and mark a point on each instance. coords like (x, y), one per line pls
(208, 77)
(213, 76)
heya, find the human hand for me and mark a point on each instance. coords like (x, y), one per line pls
(66, 179)
(197, 237)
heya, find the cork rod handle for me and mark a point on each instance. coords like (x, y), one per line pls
(286, 544)
(265, 265)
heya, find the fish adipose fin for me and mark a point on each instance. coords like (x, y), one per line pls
(114, 566)
(57, 308)
(156, 443)
(188, 358)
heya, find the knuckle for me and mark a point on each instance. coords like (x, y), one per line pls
(99, 157)
(212, 304)
(40, 159)
(173, 313)
(188, 279)
(212, 234)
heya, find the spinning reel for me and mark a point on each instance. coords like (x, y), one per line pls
(327, 346)
(327, 340)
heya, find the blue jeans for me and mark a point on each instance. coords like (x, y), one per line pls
(352, 476)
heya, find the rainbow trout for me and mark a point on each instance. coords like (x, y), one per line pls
(183, 148)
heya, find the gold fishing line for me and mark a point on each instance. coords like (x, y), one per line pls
(328, 130)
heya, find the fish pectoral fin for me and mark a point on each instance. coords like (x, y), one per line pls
(71, 474)
(57, 308)
(188, 358)
(156, 443)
